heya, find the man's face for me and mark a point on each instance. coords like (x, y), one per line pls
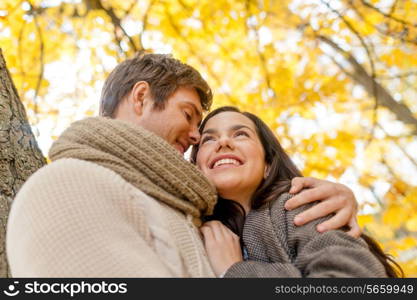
(178, 122)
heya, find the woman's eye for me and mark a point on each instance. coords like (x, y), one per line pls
(241, 133)
(206, 139)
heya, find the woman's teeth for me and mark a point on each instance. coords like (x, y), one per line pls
(226, 161)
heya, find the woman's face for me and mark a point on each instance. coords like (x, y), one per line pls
(231, 155)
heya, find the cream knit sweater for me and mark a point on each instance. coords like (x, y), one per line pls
(74, 218)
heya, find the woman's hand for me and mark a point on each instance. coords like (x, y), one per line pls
(335, 198)
(222, 246)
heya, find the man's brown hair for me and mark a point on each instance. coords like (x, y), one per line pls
(162, 72)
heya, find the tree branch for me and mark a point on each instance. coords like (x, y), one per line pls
(145, 21)
(258, 50)
(195, 54)
(371, 62)
(399, 76)
(395, 35)
(361, 76)
(96, 4)
(42, 63)
(20, 55)
(410, 158)
(389, 16)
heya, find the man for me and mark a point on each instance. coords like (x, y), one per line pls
(118, 200)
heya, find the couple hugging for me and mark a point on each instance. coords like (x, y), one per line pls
(120, 200)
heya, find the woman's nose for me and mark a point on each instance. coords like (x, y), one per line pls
(225, 142)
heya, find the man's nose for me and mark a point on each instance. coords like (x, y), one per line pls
(195, 136)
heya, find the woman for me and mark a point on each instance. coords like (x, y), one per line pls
(252, 174)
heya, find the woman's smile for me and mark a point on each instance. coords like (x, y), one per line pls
(225, 160)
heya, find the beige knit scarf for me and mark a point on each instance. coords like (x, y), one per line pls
(143, 159)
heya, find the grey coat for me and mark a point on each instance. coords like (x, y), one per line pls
(278, 248)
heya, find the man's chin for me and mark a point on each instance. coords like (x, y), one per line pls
(179, 148)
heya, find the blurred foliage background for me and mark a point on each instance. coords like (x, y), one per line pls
(336, 80)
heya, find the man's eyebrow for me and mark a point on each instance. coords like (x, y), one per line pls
(233, 128)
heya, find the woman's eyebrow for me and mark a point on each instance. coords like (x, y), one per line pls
(232, 128)
(210, 131)
(237, 127)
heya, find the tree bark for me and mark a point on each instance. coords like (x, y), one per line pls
(20, 155)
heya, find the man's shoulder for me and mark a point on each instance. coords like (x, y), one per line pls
(69, 164)
(71, 176)
(71, 169)
(77, 185)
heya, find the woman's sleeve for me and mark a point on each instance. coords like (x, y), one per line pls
(259, 269)
(330, 254)
(312, 254)
(264, 244)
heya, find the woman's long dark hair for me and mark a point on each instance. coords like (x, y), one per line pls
(281, 171)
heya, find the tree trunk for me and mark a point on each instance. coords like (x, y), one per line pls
(19, 153)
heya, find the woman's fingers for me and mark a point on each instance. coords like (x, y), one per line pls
(208, 235)
(219, 231)
(222, 246)
(227, 233)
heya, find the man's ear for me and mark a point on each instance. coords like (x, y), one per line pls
(139, 93)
